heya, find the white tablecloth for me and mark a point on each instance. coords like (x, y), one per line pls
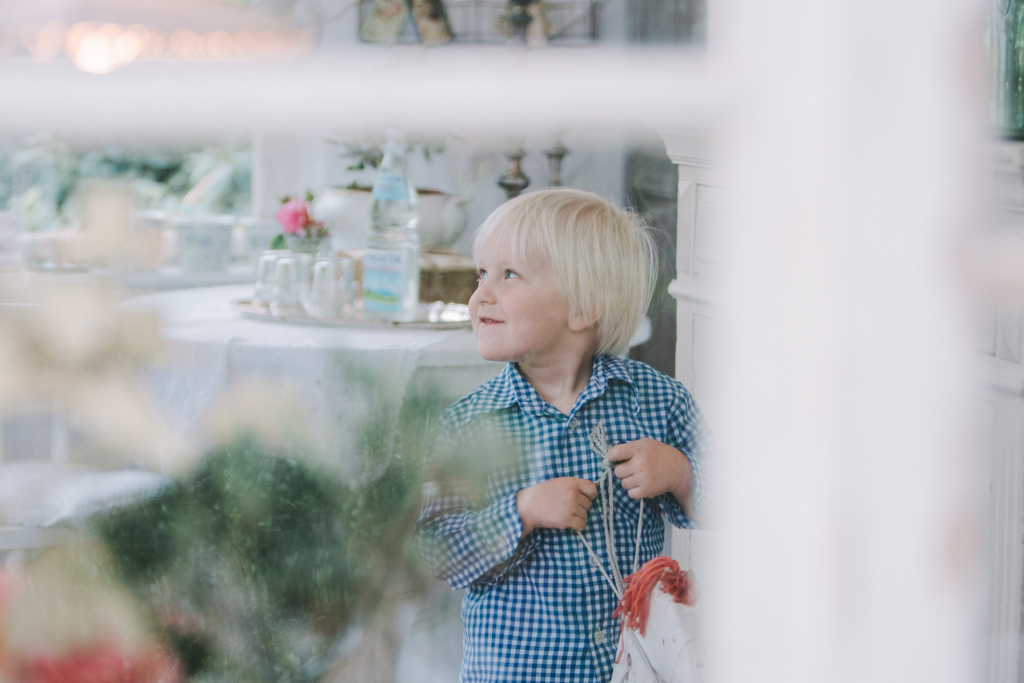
(347, 376)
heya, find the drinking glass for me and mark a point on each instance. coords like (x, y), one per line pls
(304, 275)
(323, 295)
(285, 299)
(264, 288)
(346, 292)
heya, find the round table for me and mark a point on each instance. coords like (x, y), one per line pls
(345, 377)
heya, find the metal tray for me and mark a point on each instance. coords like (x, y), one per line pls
(435, 316)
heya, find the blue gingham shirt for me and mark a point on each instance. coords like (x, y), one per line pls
(537, 609)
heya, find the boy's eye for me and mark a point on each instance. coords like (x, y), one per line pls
(511, 273)
(481, 275)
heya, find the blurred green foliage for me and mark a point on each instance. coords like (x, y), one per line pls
(368, 152)
(256, 564)
(40, 179)
(248, 563)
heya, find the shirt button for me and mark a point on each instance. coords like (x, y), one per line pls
(593, 562)
(600, 636)
(574, 423)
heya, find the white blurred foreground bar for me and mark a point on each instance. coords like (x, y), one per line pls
(458, 89)
(849, 527)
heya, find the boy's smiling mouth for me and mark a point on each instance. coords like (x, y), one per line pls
(489, 321)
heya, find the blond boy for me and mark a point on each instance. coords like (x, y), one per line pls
(565, 278)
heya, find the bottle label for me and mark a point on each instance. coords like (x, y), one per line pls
(389, 186)
(383, 280)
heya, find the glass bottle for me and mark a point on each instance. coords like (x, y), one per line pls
(391, 269)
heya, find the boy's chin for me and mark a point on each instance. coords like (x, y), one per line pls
(492, 354)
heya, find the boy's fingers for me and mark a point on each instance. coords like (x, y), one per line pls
(620, 452)
(588, 488)
(623, 470)
(578, 523)
(583, 502)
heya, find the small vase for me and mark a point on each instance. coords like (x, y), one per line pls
(307, 245)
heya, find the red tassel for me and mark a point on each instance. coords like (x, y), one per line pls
(635, 603)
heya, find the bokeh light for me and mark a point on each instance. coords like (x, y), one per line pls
(127, 47)
(95, 53)
(219, 45)
(185, 44)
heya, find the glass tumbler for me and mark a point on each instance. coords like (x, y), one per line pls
(346, 292)
(263, 291)
(323, 295)
(304, 275)
(285, 299)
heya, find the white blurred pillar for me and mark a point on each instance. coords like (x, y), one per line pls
(286, 165)
(847, 521)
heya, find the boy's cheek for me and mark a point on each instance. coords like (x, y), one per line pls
(474, 317)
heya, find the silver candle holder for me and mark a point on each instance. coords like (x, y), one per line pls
(513, 181)
(555, 153)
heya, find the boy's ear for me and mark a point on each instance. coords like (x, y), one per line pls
(578, 323)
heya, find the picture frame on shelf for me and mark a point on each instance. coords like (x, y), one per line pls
(566, 22)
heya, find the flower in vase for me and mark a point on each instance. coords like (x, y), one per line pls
(293, 216)
(295, 219)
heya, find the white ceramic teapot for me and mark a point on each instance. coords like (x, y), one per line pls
(345, 212)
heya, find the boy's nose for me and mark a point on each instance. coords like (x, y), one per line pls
(484, 292)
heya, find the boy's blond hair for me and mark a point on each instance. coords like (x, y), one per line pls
(603, 256)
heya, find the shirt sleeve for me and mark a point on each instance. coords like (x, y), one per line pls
(465, 546)
(688, 433)
(465, 543)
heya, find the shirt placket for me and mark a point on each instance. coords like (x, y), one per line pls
(574, 437)
(584, 462)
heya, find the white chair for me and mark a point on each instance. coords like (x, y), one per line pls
(43, 498)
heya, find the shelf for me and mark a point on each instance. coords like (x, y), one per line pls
(486, 21)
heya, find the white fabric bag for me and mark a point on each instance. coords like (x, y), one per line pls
(657, 601)
(658, 643)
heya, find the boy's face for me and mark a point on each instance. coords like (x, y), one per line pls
(518, 311)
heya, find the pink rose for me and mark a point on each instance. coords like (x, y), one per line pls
(104, 664)
(293, 217)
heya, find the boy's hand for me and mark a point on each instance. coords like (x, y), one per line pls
(650, 468)
(560, 503)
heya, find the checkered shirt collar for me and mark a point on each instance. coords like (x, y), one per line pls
(512, 388)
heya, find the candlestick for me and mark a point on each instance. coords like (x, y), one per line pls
(555, 153)
(513, 181)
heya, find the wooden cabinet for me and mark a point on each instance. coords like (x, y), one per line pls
(698, 256)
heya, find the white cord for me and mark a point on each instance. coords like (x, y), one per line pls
(597, 563)
(639, 530)
(609, 520)
(606, 494)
